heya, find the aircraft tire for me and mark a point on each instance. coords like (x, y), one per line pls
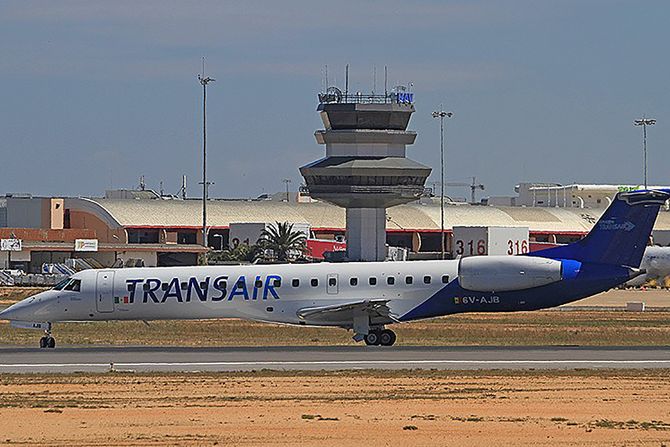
(43, 342)
(387, 337)
(51, 342)
(372, 338)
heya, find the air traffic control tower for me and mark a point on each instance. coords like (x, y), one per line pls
(365, 169)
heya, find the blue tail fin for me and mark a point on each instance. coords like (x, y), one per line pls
(621, 234)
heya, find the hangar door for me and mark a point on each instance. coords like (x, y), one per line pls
(104, 292)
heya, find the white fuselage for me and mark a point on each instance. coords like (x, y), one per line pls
(656, 264)
(257, 292)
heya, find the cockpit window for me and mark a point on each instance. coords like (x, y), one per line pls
(61, 284)
(74, 285)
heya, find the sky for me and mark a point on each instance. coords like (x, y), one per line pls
(94, 94)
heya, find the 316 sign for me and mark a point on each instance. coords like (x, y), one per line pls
(517, 247)
(470, 247)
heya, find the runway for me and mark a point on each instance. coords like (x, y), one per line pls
(173, 359)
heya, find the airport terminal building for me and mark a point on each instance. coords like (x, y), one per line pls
(162, 232)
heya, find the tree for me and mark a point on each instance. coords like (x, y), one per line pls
(282, 243)
(241, 253)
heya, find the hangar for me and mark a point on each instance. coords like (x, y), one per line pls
(164, 231)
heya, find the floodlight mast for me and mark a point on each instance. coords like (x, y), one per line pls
(204, 80)
(644, 122)
(441, 114)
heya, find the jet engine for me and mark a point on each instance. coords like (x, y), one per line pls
(505, 273)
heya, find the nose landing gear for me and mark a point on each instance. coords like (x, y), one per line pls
(47, 341)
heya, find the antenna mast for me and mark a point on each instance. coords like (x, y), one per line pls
(346, 81)
(182, 190)
(386, 79)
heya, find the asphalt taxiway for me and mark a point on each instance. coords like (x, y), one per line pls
(169, 359)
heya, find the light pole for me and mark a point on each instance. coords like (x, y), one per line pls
(644, 122)
(204, 80)
(287, 181)
(441, 114)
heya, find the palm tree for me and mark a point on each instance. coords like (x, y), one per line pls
(285, 243)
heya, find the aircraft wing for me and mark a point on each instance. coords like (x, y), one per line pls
(375, 309)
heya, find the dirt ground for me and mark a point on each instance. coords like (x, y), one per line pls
(594, 408)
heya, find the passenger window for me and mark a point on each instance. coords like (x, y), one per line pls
(409, 279)
(332, 282)
(314, 282)
(390, 280)
(183, 285)
(258, 284)
(203, 285)
(145, 286)
(74, 285)
(131, 287)
(426, 279)
(295, 282)
(445, 279)
(353, 282)
(164, 286)
(372, 281)
(276, 283)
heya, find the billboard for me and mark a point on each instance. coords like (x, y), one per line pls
(11, 245)
(86, 245)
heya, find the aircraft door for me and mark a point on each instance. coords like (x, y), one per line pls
(104, 292)
(331, 284)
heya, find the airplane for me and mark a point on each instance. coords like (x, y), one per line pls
(655, 263)
(361, 297)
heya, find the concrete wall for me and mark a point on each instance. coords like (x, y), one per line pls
(24, 212)
(80, 219)
(366, 234)
(52, 213)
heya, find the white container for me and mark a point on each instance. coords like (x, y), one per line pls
(480, 241)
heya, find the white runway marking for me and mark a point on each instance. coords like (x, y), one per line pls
(349, 363)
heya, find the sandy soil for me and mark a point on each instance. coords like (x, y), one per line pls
(346, 408)
(619, 298)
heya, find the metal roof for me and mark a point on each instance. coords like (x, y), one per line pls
(321, 215)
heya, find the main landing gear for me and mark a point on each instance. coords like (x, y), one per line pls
(47, 341)
(383, 337)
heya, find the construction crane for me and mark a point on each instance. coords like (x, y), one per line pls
(474, 186)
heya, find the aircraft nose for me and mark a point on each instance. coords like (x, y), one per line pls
(24, 310)
(13, 312)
